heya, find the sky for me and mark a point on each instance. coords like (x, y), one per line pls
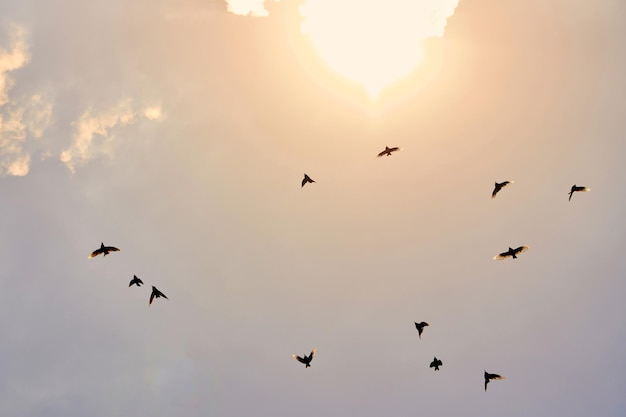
(179, 132)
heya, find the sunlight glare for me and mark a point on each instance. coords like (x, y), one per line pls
(373, 42)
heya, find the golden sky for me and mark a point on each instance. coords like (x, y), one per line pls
(180, 132)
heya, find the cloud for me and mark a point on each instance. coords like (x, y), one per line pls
(248, 7)
(94, 132)
(153, 113)
(10, 60)
(22, 119)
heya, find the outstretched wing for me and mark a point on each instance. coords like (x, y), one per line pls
(111, 249)
(521, 249)
(489, 377)
(151, 297)
(95, 253)
(299, 358)
(502, 255)
(383, 153)
(497, 188)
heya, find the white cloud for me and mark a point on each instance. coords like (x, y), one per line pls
(248, 7)
(21, 119)
(93, 132)
(10, 60)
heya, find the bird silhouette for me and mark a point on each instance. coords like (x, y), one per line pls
(388, 151)
(420, 327)
(306, 360)
(499, 186)
(156, 294)
(577, 188)
(306, 179)
(136, 281)
(104, 250)
(489, 377)
(511, 253)
(436, 363)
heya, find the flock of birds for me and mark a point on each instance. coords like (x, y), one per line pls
(306, 359)
(105, 250)
(510, 253)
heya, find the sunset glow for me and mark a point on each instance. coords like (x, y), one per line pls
(374, 43)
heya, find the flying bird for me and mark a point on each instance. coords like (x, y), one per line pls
(306, 179)
(156, 294)
(577, 188)
(420, 327)
(499, 186)
(489, 377)
(436, 363)
(388, 151)
(104, 250)
(136, 281)
(511, 253)
(306, 360)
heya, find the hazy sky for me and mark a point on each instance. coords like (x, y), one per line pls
(179, 132)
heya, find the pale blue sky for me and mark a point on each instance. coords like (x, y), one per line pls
(187, 131)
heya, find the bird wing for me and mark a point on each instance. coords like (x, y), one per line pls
(502, 255)
(160, 294)
(299, 358)
(151, 297)
(111, 249)
(521, 249)
(95, 253)
(382, 153)
(489, 376)
(395, 148)
(312, 354)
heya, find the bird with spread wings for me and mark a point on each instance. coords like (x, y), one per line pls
(306, 360)
(388, 151)
(511, 253)
(104, 250)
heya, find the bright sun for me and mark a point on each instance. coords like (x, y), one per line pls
(373, 42)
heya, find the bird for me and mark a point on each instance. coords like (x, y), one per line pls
(104, 250)
(420, 327)
(489, 377)
(306, 179)
(499, 186)
(511, 253)
(436, 363)
(388, 151)
(135, 281)
(156, 294)
(576, 188)
(306, 360)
